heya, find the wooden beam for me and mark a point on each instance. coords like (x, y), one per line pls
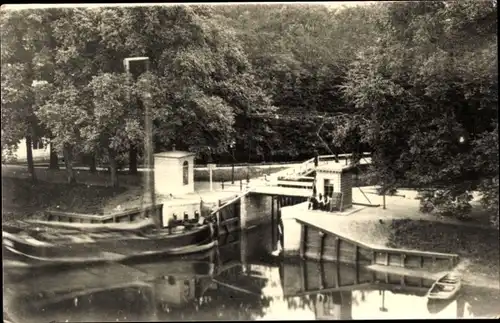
(273, 228)
(356, 277)
(321, 245)
(341, 202)
(303, 274)
(321, 276)
(337, 249)
(337, 277)
(303, 238)
(302, 283)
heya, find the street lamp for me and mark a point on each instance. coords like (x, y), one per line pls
(136, 66)
(231, 145)
(210, 166)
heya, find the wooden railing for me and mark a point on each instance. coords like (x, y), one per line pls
(124, 216)
(308, 165)
(295, 184)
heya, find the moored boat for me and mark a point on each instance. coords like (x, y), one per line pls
(445, 287)
(46, 245)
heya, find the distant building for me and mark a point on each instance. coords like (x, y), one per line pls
(335, 178)
(174, 172)
(41, 150)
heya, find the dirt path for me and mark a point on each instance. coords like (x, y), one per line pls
(407, 207)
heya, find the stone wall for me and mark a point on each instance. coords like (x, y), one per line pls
(255, 210)
(291, 228)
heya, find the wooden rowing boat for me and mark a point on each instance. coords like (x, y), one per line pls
(45, 245)
(445, 287)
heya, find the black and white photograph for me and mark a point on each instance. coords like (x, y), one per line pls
(250, 161)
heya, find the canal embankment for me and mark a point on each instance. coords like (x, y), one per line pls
(401, 225)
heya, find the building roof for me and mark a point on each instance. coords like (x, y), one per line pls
(175, 154)
(333, 167)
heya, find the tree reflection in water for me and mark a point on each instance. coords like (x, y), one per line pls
(222, 305)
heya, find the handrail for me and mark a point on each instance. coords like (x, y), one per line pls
(380, 248)
(365, 154)
(295, 183)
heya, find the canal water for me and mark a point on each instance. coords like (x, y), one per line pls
(240, 280)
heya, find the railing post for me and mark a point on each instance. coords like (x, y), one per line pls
(218, 216)
(337, 249)
(321, 245)
(303, 238)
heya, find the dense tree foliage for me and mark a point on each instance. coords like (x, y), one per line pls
(414, 82)
(425, 98)
(300, 55)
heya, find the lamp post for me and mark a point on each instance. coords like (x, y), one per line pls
(136, 66)
(233, 143)
(210, 166)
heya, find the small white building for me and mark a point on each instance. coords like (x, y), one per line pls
(335, 178)
(40, 149)
(174, 172)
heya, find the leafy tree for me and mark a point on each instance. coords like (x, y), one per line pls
(300, 54)
(423, 98)
(205, 82)
(113, 121)
(24, 42)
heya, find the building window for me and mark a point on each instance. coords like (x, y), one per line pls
(185, 173)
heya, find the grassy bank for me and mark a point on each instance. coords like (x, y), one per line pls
(240, 173)
(479, 246)
(21, 199)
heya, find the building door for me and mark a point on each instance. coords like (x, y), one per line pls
(328, 188)
(185, 173)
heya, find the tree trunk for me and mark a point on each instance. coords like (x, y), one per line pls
(92, 163)
(113, 170)
(29, 157)
(54, 160)
(68, 161)
(132, 168)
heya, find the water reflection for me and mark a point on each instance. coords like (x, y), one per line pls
(238, 281)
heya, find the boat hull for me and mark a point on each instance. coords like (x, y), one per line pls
(444, 288)
(109, 246)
